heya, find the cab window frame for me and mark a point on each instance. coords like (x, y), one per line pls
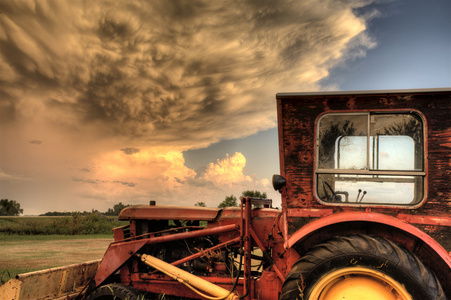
(419, 188)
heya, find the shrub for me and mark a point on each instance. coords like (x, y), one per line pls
(92, 223)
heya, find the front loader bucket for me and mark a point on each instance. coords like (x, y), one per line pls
(55, 283)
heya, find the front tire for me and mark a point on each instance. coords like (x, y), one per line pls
(116, 291)
(358, 267)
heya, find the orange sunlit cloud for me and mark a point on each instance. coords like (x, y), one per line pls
(140, 175)
(228, 170)
(141, 167)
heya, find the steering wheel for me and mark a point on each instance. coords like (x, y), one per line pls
(334, 196)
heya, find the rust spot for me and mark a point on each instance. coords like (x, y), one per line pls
(351, 103)
(301, 287)
(382, 265)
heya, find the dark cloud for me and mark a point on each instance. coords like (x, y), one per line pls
(98, 181)
(7, 108)
(92, 181)
(129, 184)
(199, 182)
(187, 73)
(36, 142)
(130, 151)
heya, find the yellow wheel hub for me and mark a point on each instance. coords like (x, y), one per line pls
(358, 283)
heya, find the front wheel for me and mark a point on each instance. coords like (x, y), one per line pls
(114, 291)
(360, 267)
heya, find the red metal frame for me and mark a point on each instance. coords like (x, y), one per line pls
(168, 212)
(426, 220)
(162, 284)
(246, 203)
(119, 252)
(203, 252)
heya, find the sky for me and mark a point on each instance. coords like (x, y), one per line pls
(108, 101)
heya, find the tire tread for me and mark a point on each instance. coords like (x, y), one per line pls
(117, 290)
(363, 245)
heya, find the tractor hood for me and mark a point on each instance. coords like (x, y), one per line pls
(168, 212)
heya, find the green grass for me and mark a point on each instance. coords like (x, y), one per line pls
(6, 275)
(34, 243)
(71, 225)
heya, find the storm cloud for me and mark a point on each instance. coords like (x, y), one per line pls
(178, 72)
(91, 78)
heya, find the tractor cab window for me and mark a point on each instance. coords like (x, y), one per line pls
(370, 158)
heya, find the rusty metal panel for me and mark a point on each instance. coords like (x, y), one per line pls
(268, 286)
(299, 112)
(168, 212)
(426, 220)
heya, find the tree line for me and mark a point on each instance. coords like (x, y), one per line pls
(232, 201)
(110, 212)
(12, 207)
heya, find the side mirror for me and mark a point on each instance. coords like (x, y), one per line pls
(278, 182)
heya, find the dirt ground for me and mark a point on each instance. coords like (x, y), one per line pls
(29, 255)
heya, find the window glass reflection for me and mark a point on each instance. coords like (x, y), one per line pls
(370, 158)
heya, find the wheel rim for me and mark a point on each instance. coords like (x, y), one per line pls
(358, 283)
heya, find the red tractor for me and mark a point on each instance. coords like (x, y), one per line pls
(365, 183)
(366, 202)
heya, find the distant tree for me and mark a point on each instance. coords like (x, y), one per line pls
(255, 194)
(228, 202)
(231, 200)
(118, 207)
(56, 213)
(10, 208)
(200, 204)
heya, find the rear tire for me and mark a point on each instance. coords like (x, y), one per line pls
(116, 291)
(356, 266)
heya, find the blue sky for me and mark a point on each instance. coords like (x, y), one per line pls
(174, 101)
(413, 49)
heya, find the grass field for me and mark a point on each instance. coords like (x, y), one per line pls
(70, 225)
(21, 254)
(35, 243)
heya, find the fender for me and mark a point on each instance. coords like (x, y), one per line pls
(429, 251)
(348, 217)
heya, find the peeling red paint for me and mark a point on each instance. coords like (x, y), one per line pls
(426, 220)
